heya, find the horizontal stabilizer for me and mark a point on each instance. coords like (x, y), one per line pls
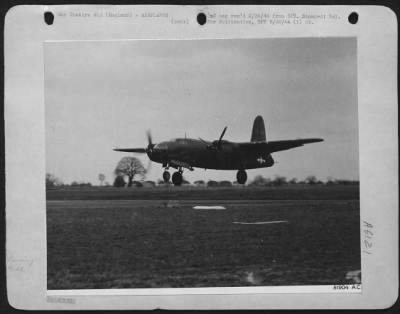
(276, 146)
(131, 150)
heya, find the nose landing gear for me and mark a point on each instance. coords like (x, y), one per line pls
(241, 177)
(166, 176)
(177, 178)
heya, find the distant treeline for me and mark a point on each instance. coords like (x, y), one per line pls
(119, 181)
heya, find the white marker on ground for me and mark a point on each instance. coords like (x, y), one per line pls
(209, 207)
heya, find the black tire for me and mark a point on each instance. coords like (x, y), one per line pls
(166, 176)
(177, 178)
(241, 177)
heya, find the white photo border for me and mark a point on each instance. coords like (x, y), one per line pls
(25, 35)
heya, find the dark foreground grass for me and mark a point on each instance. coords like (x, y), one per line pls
(147, 244)
(286, 192)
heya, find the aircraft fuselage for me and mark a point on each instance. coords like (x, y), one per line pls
(187, 153)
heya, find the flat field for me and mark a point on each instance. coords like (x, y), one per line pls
(139, 238)
(286, 192)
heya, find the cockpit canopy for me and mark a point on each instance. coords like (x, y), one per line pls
(161, 146)
(182, 140)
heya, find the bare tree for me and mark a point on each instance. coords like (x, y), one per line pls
(102, 177)
(130, 167)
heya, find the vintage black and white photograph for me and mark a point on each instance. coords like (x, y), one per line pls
(202, 163)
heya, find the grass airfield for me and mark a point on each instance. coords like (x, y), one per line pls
(101, 238)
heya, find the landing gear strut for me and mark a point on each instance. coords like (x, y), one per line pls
(166, 176)
(241, 177)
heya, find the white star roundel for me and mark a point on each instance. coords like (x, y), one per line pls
(261, 160)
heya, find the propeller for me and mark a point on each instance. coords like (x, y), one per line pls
(148, 168)
(222, 135)
(150, 146)
(149, 140)
(217, 144)
(148, 150)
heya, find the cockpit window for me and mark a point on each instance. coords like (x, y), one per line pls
(161, 146)
(181, 140)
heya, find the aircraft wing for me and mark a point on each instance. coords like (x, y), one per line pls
(131, 150)
(276, 146)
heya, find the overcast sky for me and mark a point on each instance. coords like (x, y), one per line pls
(102, 95)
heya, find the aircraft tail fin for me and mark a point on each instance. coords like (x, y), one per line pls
(258, 132)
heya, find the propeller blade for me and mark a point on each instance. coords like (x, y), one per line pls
(222, 135)
(220, 138)
(149, 139)
(148, 168)
(131, 150)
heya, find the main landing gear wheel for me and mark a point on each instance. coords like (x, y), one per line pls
(241, 177)
(166, 176)
(177, 178)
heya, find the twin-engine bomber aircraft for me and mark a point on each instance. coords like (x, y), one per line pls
(219, 154)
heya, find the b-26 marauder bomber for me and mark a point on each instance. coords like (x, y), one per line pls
(189, 153)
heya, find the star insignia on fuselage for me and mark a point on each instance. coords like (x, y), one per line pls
(261, 160)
